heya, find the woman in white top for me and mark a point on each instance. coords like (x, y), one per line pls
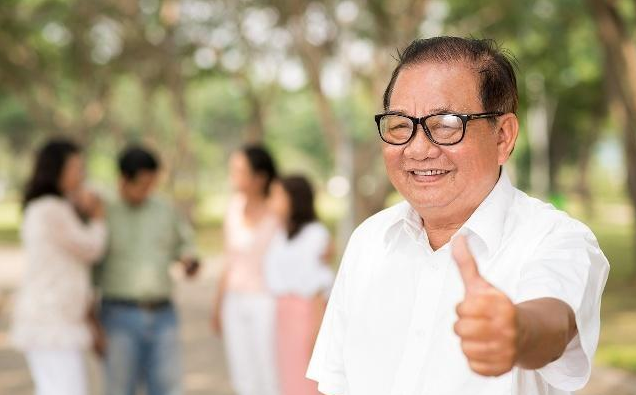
(297, 273)
(50, 320)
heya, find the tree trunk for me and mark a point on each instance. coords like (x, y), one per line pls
(184, 171)
(583, 175)
(397, 23)
(182, 175)
(335, 132)
(620, 51)
(540, 116)
(256, 127)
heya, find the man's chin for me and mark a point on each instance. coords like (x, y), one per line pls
(426, 204)
(418, 205)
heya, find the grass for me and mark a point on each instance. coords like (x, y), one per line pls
(617, 355)
(9, 220)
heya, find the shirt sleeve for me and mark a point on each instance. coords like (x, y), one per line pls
(317, 240)
(322, 275)
(272, 270)
(185, 247)
(327, 364)
(569, 265)
(85, 241)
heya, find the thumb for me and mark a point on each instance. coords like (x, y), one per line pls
(467, 266)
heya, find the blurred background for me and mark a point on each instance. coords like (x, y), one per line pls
(195, 79)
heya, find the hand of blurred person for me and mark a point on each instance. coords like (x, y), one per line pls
(319, 307)
(97, 209)
(191, 267)
(329, 254)
(215, 321)
(99, 342)
(97, 333)
(89, 204)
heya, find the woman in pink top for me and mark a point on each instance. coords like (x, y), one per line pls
(244, 310)
(297, 273)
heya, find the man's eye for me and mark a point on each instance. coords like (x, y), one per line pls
(400, 126)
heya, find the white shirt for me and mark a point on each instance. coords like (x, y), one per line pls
(296, 266)
(388, 328)
(52, 303)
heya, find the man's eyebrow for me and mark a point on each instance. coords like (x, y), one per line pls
(443, 110)
(436, 110)
(397, 112)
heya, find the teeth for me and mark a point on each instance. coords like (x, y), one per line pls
(429, 172)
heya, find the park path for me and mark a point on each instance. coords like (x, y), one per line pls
(204, 366)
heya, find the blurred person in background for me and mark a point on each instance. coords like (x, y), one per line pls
(146, 237)
(244, 309)
(50, 323)
(298, 274)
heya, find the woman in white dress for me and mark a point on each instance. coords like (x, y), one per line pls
(50, 321)
(298, 274)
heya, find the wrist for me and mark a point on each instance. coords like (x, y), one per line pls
(522, 335)
(532, 350)
(543, 333)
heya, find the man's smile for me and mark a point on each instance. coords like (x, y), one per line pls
(427, 175)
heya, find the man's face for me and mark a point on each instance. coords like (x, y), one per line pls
(469, 169)
(135, 191)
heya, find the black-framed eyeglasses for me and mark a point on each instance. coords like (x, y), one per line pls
(441, 129)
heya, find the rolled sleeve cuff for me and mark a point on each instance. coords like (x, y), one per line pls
(572, 370)
(328, 384)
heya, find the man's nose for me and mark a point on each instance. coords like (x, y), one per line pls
(420, 147)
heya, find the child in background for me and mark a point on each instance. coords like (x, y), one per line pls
(296, 272)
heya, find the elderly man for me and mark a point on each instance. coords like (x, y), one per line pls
(469, 286)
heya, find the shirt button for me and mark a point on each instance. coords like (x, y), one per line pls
(420, 333)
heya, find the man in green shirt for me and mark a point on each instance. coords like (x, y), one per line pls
(146, 237)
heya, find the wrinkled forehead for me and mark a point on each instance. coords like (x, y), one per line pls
(429, 87)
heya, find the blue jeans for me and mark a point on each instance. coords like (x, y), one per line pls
(142, 349)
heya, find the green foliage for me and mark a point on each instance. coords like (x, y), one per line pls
(293, 130)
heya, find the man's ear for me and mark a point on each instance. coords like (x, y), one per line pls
(508, 130)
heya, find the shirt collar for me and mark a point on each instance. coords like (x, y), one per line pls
(487, 222)
(404, 214)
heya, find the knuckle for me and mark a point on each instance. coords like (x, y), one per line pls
(457, 328)
(460, 309)
(494, 347)
(480, 368)
(466, 350)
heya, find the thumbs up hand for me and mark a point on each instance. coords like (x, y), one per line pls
(487, 319)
